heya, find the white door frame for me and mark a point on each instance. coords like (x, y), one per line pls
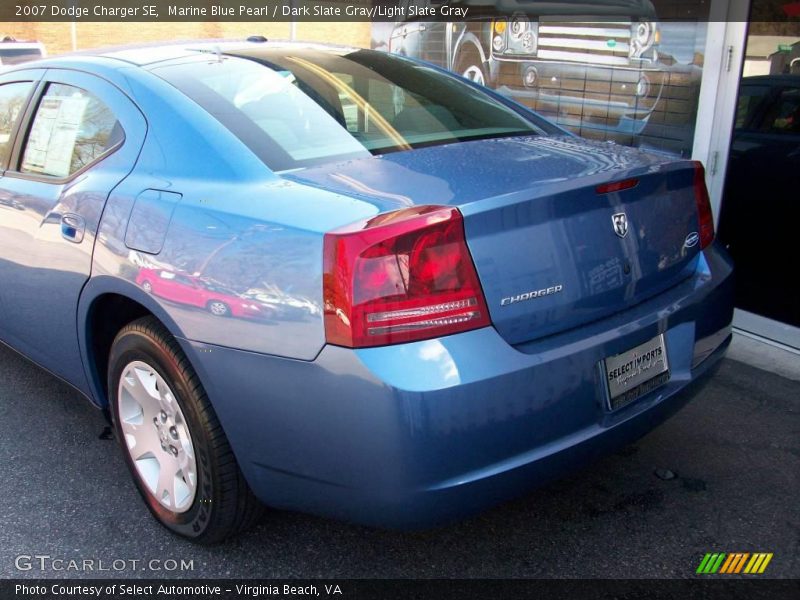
(726, 41)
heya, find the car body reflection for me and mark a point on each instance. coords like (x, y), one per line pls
(201, 293)
(281, 301)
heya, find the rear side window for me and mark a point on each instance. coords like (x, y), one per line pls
(71, 130)
(13, 98)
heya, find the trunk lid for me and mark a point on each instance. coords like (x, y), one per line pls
(542, 238)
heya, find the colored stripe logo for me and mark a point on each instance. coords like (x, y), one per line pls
(734, 562)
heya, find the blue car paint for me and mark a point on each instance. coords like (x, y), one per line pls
(539, 201)
(415, 434)
(42, 286)
(403, 435)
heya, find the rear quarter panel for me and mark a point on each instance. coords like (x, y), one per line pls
(236, 224)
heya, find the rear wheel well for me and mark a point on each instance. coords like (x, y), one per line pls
(108, 315)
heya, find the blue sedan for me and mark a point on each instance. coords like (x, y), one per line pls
(343, 282)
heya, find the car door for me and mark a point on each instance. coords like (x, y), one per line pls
(762, 205)
(79, 137)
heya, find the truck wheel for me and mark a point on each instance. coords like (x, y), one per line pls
(470, 67)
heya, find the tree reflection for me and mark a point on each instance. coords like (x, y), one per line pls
(12, 101)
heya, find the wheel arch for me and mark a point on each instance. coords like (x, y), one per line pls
(469, 43)
(106, 305)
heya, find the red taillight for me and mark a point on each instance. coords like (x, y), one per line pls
(400, 277)
(705, 217)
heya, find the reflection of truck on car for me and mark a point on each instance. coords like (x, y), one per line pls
(598, 73)
(13, 52)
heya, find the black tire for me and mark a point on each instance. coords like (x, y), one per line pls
(223, 505)
(147, 287)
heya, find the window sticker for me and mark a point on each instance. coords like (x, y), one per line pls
(51, 143)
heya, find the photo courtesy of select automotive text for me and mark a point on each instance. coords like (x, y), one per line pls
(377, 299)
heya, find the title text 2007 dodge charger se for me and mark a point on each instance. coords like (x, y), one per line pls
(343, 282)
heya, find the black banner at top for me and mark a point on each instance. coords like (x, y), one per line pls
(356, 10)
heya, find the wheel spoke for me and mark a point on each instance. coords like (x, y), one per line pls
(141, 439)
(147, 380)
(165, 492)
(132, 384)
(186, 466)
(166, 399)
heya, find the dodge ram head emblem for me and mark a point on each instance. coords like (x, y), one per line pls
(620, 221)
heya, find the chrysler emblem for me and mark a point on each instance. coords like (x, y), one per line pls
(620, 221)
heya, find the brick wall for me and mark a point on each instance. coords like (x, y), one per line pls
(57, 36)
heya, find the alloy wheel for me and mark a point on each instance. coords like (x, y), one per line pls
(157, 436)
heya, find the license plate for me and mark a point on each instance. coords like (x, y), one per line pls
(636, 372)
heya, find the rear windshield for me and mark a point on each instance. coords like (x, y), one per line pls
(296, 108)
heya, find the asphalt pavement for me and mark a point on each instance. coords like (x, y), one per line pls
(721, 476)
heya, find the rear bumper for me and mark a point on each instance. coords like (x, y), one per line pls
(418, 434)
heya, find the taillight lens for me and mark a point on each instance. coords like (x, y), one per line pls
(704, 215)
(616, 186)
(399, 277)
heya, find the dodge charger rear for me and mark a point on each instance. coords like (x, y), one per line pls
(463, 301)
